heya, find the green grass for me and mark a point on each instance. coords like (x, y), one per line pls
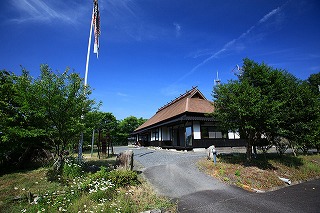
(88, 193)
(262, 173)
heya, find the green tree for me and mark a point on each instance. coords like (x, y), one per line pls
(259, 103)
(103, 122)
(63, 102)
(39, 114)
(22, 133)
(314, 82)
(10, 117)
(239, 108)
(126, 127)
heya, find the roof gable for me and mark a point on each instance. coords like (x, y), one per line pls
(191, 101)
(193, 93)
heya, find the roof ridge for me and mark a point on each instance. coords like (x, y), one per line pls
(188, 92)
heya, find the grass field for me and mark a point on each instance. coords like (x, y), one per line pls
(31, 191)
(262, 173)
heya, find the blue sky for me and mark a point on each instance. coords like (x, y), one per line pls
(151, 51)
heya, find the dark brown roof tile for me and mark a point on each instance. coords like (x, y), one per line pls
(192, 101)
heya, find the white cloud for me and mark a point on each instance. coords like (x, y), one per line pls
(121, 9)
(125, 17)
(177, 29)
(122, 94)
(127, 20)
(47, 11)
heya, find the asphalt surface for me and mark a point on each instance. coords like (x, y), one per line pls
(175, 175)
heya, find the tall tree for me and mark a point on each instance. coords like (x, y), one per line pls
(239, 107)
(22, 133)
(9, 116)
(256, 104)
(101, 121)
(126, 127)
(44, 113)
(63, 101)
(314, 82)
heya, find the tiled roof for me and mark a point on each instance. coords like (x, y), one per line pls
(191, 101)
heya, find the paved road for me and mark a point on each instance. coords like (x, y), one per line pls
(303, 197)
(175, 175)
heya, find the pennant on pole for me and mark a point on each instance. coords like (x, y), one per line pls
(96, 23)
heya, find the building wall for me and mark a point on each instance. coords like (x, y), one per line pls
(203, 134)
(223, 142)
(196, 130)
(166, 133)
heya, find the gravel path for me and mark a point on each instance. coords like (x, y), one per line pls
(175, 173)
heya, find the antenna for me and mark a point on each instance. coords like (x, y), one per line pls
(237, 70)
(217, 81)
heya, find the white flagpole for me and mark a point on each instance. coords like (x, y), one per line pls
(88, 53)
(85, 84)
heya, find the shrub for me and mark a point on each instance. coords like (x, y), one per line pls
(102, 173)
(72, 168)
(123, 178)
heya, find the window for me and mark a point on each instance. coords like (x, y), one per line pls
(155, 135)
(233, 135)
(189, 136)
(210, 132)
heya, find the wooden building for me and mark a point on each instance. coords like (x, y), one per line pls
(185, 123)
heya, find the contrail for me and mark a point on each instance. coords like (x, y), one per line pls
(232, 42)
(266, 17)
